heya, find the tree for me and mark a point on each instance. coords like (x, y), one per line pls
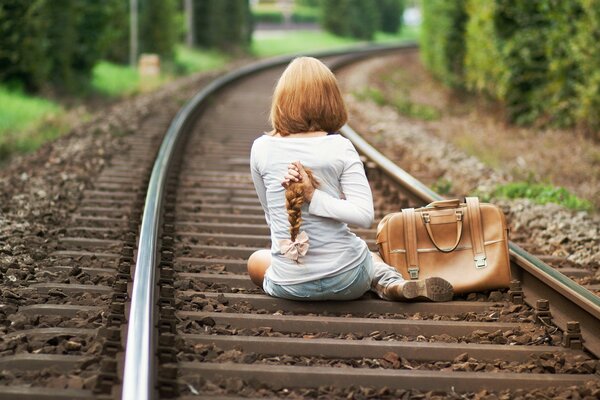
(355, 18)
(390, 15)
(158, 30)
(224, 24)
(23, 43)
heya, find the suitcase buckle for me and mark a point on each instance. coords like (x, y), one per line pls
(414, 273)
(480, 261)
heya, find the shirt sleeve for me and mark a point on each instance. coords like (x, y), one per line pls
(357, 208)
(259, 184)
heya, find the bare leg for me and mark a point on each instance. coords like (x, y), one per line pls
(258, 263)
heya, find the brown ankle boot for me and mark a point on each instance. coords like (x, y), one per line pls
(434, 289)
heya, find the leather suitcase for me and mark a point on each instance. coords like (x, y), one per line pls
(464, 243)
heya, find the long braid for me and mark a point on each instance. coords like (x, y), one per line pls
(294, 199)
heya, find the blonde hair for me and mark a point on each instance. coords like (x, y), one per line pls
(307, 99)
(294, 198)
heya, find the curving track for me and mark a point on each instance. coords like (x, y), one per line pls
(213, 333)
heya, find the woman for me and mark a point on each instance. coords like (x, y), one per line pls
(314, 256)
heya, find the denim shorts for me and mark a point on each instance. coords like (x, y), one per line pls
(348, 285)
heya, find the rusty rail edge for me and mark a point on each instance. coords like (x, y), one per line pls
(540, 281)
(139, 373)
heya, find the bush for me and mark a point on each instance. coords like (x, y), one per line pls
(390, 15)
(484, 68)
(305, 15)
(55, 41)
(23, 43)
(587, 56)
(354, 18)
(223, 24)
(442, 41)
(268, 16)
(158, 32)
(541, 194)
(540, 58)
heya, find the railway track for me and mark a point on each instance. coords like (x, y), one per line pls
(197, 327)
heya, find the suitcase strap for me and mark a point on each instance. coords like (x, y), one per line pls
(474, 214)
(459, 230)
(410, 238)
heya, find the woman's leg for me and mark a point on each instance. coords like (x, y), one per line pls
(389, 285)
(258, 263)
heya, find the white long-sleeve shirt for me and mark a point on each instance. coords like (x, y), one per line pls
(333, 248)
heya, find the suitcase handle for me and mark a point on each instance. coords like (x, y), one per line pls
(454, 203)
(459, 230)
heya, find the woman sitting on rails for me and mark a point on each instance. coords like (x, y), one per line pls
(309, 203)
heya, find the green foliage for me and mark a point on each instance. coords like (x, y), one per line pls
(23, 43)
(158, 32)
(305, 14)
(522, 26)
(442, 39)
(411, 109)
(267, 16)
(223, 24)
(353, 18)
(587, 56)
(390, 15)
(52, 41)
(373, 94)
(442, 186)
(26, 121)
(540, 58)
(191, 60)
(541, 194)
(115, 80)
(401, 103)
(115, 38)
(484, 65)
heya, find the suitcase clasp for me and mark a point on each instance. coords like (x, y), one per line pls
(414, 272)
(480, 261)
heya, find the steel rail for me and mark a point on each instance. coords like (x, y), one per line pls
(568, 300)
(139, 372)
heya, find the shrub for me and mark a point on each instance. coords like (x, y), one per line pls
(390, 15)
(267, 16)
(223, 24)
(541, 194)
(485, 70)
(23, 42)
(158, 32)
(354, 18)
(442, 40)
(587, 56)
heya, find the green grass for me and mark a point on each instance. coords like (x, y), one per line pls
(289, 42)
(401, 103)
(191, 60)
(26, 122)
(540, 193)
(115, 80)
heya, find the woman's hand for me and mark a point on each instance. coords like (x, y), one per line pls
(296, 173)
(292, 175)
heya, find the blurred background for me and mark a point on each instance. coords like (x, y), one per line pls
(539, 60)
(57, 55)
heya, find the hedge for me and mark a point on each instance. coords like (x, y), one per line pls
(442, 39)
(223, 24)
(354, 18)
(56, 42)
(540, 58)
(390, 15)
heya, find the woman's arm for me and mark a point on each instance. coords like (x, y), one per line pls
(357, 207)
(259, 184)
